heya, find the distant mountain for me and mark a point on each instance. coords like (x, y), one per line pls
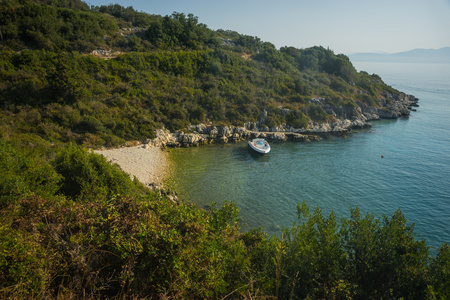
(417, 55)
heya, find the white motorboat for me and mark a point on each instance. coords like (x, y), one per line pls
(259, 145)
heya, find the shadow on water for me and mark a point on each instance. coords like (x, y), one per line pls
(241, 153)
(258, 156)
(244, 153)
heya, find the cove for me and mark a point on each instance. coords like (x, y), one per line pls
(338, 173)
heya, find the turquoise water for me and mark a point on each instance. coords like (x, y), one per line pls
(338, 173)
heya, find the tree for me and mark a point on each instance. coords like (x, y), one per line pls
(439, 271)
(384, 258)
(314, 256)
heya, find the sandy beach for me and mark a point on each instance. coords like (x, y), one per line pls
(148, 164)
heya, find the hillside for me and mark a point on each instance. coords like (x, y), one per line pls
(165, 71)
(75, 226)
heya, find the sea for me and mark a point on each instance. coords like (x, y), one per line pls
(397, 164)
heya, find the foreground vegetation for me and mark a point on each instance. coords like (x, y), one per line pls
(74, 226)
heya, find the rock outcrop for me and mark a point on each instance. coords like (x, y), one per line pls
(346, 118)
(202, 135)
(394, 106)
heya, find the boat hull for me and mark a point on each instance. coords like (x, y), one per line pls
(259, 146)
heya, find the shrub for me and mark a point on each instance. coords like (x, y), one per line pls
(89, 176)
(439, 271)
(22, 174)
(297, 119)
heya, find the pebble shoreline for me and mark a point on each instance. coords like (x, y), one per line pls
(150, 165)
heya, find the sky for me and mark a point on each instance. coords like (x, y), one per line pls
(344, 26)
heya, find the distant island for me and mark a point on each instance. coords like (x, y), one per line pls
(417, 55)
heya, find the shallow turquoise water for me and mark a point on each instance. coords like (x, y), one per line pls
(338, 173)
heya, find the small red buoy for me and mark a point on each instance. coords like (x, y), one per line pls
(382, 156)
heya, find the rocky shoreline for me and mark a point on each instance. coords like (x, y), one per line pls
(149, 163)
(346, 118)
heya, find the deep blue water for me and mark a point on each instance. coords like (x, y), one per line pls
(338, 173)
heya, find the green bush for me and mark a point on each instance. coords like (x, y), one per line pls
(362, 258)
(89, 176)
(439, 271)
(145, 246)
(24, 263)
(297, 119)
(368, 100)
(316, 112)
(22, 174)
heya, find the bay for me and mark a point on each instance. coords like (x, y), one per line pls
(340, 173)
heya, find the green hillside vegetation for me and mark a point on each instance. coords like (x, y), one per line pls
(74, 226)
(173, 72)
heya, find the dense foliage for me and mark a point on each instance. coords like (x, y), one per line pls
(74, 226)
(85, 228)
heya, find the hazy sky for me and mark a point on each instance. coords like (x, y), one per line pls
(345, 26)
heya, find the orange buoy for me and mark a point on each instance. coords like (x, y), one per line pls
(382, 156)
